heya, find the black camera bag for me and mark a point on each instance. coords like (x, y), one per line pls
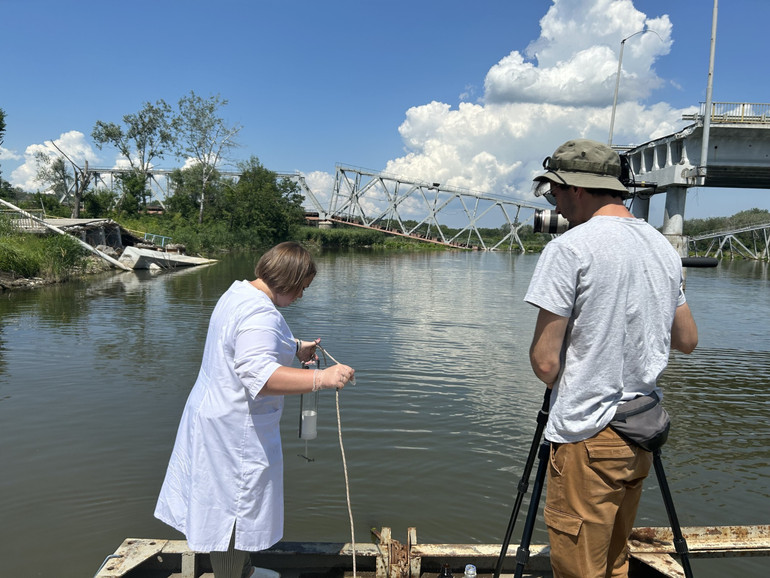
(642, 421)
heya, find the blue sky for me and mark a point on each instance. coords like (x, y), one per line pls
(469, 93)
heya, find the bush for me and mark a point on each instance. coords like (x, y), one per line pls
(61, 256)
(15, 260)
(341, 237)
(52, 257)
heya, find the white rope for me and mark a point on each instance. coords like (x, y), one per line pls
(347, 484)
(344, 466)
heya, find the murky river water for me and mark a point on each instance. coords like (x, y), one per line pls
(94, 376)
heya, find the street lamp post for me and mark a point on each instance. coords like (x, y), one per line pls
(617, 80)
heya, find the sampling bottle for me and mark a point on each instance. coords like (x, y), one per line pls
(446, 572)
(308, 416)
(470, 571)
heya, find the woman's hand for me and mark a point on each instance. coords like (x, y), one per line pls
(306, 350)
(334, 377)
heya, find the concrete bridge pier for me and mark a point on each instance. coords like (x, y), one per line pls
(673, 218)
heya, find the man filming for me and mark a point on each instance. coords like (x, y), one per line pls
(611, 305)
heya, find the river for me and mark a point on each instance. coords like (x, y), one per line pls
(94, 376)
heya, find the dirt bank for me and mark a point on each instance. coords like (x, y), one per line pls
(10, 281)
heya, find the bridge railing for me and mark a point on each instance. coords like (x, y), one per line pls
(21, 221)
(734, 112)
(750, 242)
(155, 239)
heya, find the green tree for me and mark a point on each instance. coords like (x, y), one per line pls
(8, 191)
(145, 137)
(98, 202)
(186, 197)
(49, 203)
(2, 136)
(263, 206)
(747, 218)
(203, 137)
(133, 191)
(53, 173)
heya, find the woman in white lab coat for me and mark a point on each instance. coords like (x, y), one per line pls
(224, 484)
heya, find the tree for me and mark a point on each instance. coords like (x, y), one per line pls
(2, 134)
(203, 137)
(146, 137)
(8, 191)
(54, 172)
(263, 206)
(133, 186)
(98, 202)
(186, 197)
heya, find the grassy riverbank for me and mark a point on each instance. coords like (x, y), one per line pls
(211, 238)
(28, 259)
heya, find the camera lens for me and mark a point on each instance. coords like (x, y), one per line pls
(550, 222)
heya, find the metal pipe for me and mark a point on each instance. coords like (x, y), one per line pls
(709, 89)
(617, 86)
(617, 80)
(85, 245)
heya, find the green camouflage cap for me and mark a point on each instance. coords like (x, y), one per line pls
(584, 163)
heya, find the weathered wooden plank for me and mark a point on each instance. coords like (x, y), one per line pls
(651, 547)
(705, 541)
(662, 563)
(130, 554)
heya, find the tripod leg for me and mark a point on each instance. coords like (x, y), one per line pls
(522, 554)
(680, 544)
(542, 418)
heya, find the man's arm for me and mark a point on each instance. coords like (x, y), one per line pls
(545, 351)
(684, 332)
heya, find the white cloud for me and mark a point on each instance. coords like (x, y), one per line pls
(8, 155)
(575, 58)
(73, 143)
(321, 184)
(562, 88)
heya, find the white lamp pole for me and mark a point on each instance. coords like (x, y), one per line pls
(617, 80)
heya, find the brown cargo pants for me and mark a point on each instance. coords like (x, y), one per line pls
(593, 492)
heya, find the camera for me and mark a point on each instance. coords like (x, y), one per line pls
(551, 222)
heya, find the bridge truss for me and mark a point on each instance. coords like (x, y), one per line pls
(411, 208)
(393, 205)
(390, 204)
(748, 242)
(159, 180)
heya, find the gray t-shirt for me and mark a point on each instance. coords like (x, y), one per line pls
(619, 281)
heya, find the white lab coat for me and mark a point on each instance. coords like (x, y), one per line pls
(227, 465)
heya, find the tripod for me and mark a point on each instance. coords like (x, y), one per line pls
(542, 419)
(542, 452)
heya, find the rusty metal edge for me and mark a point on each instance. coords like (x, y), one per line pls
(650, 545)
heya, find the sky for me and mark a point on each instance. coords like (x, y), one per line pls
(472, 94)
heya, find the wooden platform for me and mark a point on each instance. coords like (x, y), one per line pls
(652, 552)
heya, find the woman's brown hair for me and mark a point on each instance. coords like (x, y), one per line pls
(286, 268)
